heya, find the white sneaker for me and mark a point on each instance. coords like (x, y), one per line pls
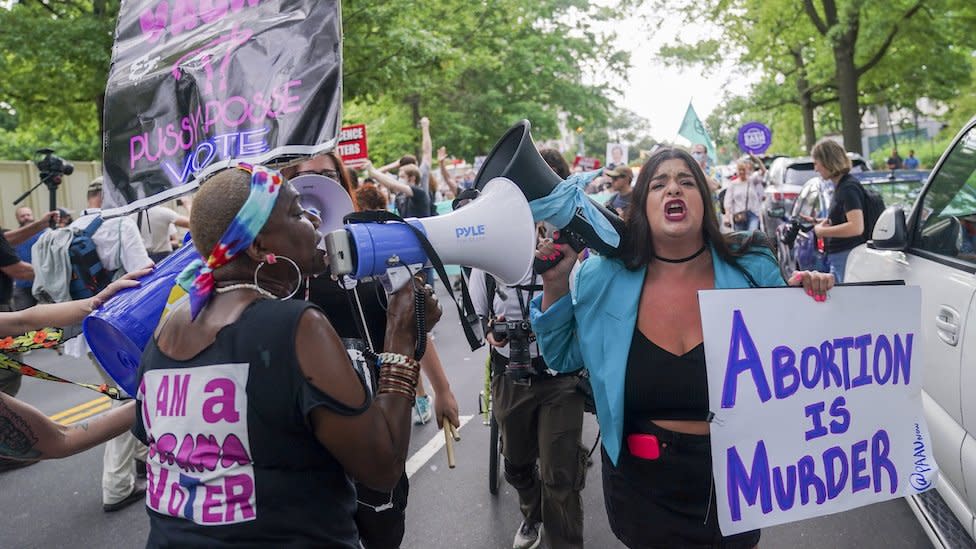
(528, 536)
(421, 410)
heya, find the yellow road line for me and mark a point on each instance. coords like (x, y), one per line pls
(72, 411)
(86, 414)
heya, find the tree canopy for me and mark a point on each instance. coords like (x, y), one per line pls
(473, 68)
(817, 65)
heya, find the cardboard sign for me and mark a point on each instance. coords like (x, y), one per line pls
(195, 85)
(352, 147)
(819, 413)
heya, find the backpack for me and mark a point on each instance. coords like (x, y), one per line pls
(88, 276)
(873, 206)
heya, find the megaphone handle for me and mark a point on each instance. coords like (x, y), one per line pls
(560, 237)
(542, 265)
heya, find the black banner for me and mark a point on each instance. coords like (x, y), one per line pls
(196, 84)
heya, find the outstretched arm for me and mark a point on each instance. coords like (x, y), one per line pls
(28, 434)
(442, 160)
(426, 146)
(67, 313)
(388, 181)
(21, 234)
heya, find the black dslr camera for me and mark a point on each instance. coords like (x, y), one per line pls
(52, 169)
(519, 335)
(53, 166)
(789, 237)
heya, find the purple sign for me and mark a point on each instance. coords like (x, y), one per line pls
(754, 137)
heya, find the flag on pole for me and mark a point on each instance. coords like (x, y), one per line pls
(693, 130)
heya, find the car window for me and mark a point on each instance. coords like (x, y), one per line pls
(809, 200)
(798, 174)
(947, 222)
(899, 193)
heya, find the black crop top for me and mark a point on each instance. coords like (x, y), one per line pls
(661, 385)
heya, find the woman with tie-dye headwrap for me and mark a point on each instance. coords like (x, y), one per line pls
(253, 413)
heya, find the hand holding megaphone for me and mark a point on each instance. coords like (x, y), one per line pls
(402, 314)
(554, 261)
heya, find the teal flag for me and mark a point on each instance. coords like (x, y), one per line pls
(693, 130)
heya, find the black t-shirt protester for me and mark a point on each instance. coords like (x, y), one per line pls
(8, 257)
(418, 205)
(847, 197)
(233, 461)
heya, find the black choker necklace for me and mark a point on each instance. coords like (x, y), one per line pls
(683, 259)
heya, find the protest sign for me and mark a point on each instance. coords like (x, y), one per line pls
(754, 138)
(353, 148)
(587, 163)
(616, 154)
(195, 85)
(819, 414)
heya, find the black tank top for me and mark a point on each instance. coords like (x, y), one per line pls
(232, 458)
(661, 385)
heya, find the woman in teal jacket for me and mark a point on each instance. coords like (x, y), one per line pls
(635, 324)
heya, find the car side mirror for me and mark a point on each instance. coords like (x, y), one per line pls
(891, 230)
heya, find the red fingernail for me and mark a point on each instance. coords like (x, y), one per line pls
(809, 292)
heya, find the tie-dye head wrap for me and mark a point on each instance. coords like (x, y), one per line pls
(197, 279)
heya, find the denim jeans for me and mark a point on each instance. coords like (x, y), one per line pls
(838, 263)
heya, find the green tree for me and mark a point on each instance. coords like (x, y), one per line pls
(846, 55)
(55, 64)
(473, 68)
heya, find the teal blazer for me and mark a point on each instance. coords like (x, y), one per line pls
(592, 327)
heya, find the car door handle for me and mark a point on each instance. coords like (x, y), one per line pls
(947, 324)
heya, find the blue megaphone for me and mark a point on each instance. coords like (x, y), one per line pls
(118, 332)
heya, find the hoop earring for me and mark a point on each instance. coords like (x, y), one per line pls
(293, 264)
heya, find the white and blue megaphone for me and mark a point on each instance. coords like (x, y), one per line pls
(118, 332)
(494, 233)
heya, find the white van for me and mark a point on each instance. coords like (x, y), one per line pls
(934, 247)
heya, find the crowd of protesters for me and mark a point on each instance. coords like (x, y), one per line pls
(336, 384)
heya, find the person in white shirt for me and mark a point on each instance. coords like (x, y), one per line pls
(119, 246)
(155, 226)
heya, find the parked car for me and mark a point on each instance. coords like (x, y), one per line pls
(784, 179)
(933, 246)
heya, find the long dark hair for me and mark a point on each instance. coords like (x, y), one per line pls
(637, 244)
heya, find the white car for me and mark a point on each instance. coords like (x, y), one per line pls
(934, 247)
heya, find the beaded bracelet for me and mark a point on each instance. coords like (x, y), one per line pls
(398, 374)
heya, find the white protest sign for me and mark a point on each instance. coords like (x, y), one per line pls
(818, 406)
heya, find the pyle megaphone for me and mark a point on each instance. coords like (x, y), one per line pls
(516, 157)
(494, 233)
(326, 197)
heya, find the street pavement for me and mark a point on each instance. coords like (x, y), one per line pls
(58, 503)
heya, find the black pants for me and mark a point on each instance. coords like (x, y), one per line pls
(669, 501)
(381, 516)
(541, 420)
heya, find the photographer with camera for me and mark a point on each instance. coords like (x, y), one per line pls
(539, 415)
